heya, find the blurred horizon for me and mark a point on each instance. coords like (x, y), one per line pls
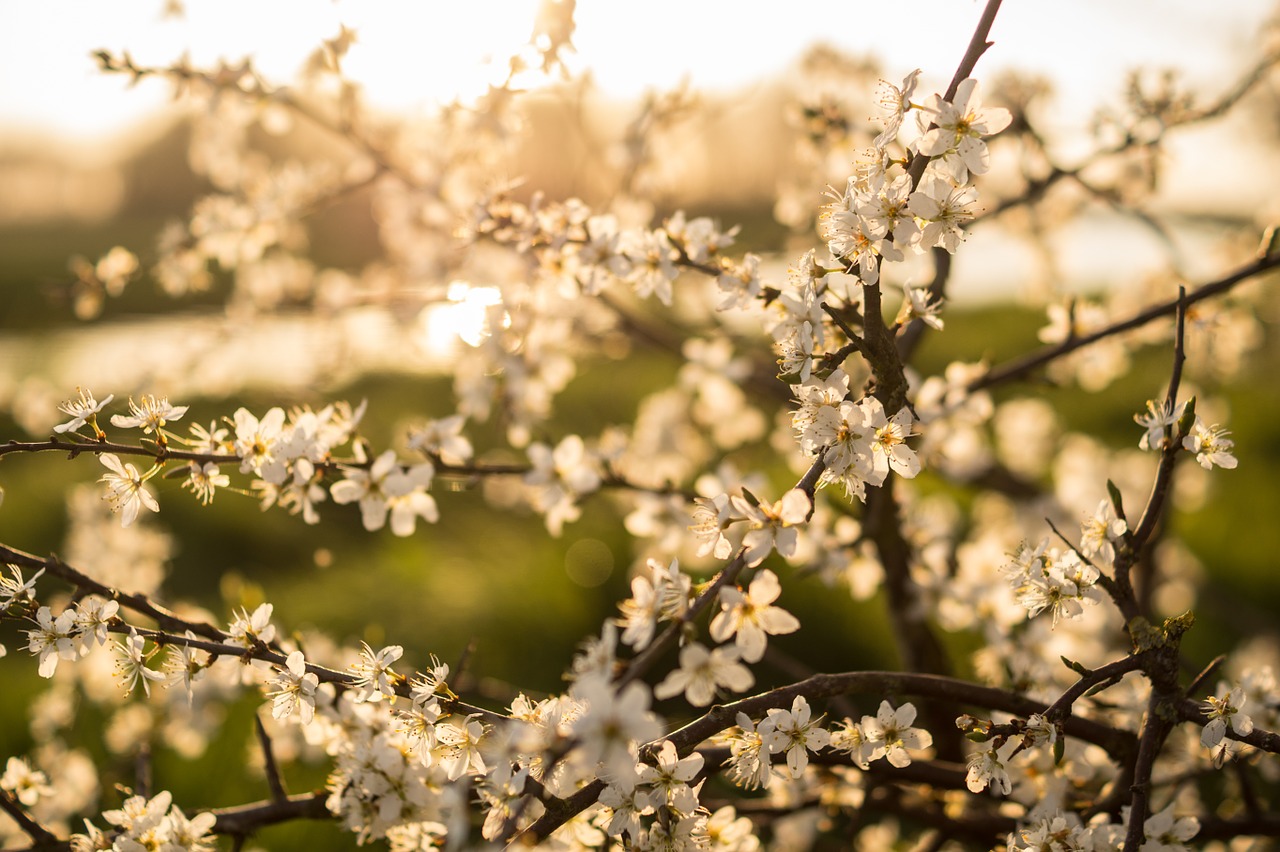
(410, 58)
(118, 179)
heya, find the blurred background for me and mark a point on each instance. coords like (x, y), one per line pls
(90, 161)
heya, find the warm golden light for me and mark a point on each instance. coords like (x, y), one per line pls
(411, 53)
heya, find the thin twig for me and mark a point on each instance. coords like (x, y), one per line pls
(275, 781)
(40, 836)
(1020, 367)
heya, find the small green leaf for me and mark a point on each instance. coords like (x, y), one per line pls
(792, 378)
(1100, 687)
(1188, 418)
(1270, 242)
(1117, 502)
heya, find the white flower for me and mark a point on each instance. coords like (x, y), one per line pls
(259, 444)
(884, 207)
(131, 664)
(652, 259)
(848, 440)
(889, 448)
(1050, 833)
(1063, 585)
(458, 748)
(138, 815)
(665, 597)
(793, 732)
(628, 803)
(1098, 534)
(93, 616)
(444, 439)
(703, 672)
(82, 410)
(671, 775)
(895, 102)
(191, 835)
(1159, 419)
(150, 414)
(889, 734)
(987, 768)
(772, 525)
(125, 490)
(1164, 833)
(848, 737)
(559, 477)
(300, 494)
(365, 487)
(918, 303)
(748, 763)
(1224, 711)
(408, 500)
(728, 832)
(248, 630)
(205, 479)
(944, 209)
(294, 689)
(711, 517)
(1039, 730)
(855, 238)
(184, 665)
(750, 617)
(14, 589)
(685, 833)
(1211, 446)
(26, 784)
(960, 126)
(53, 639)
(374, 676)
(424, 687)
(612, 725)
(388, 488)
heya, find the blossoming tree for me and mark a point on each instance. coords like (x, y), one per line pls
(798, 444)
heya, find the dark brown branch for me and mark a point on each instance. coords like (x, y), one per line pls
(243, 820)
(275, 781)
(1061, 708)
(140, 604)
(1020, 367)
(75, 448)
(40, 836)
(910, 336)
(978, 45)
(1216, 828)
(1164, 473)
(1154, 731)
(214, 641)
(640, 664)
(1193, 711)
(1117, 742)
(1037, 188)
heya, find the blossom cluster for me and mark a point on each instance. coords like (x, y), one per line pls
(287, 456)
(1045, 579)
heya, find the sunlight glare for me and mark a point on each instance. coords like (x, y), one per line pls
(465, 317)
(416, 55)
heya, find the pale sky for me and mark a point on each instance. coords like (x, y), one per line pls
(410, 51)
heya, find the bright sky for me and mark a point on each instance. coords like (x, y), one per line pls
(411, 51)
